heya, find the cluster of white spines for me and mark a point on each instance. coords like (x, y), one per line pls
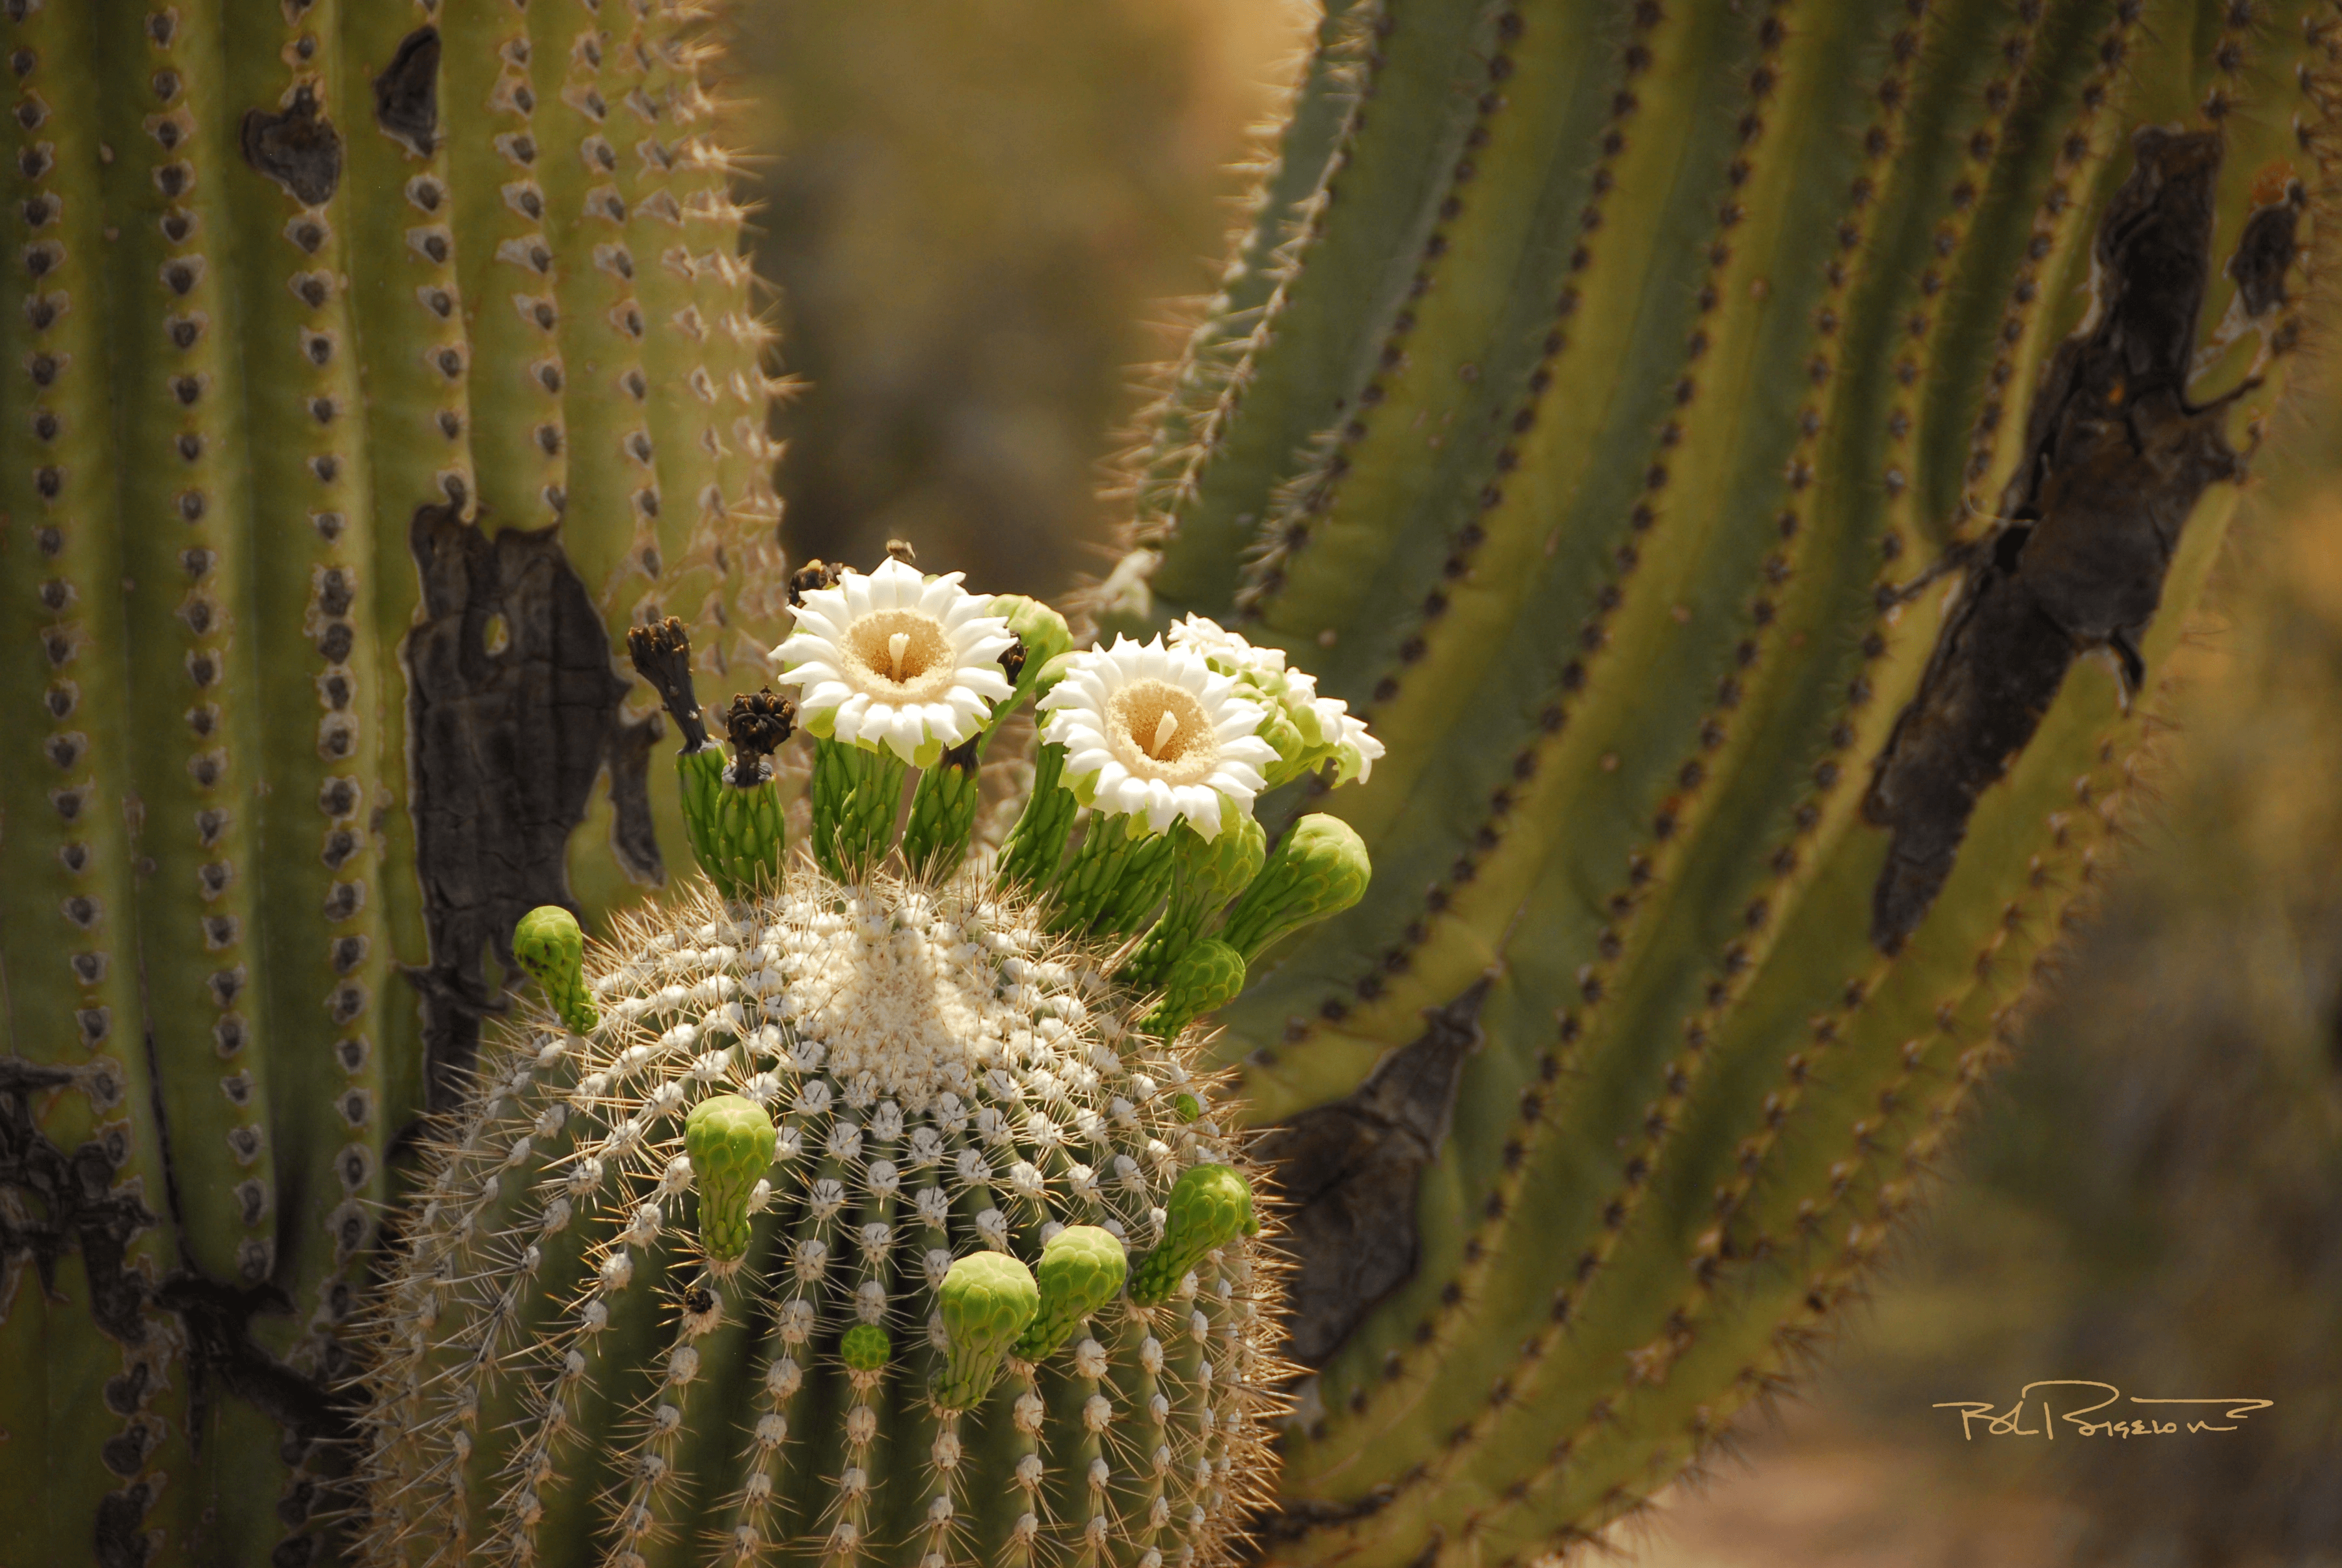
(888, 1162)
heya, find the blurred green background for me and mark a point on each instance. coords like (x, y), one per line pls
(978, 218)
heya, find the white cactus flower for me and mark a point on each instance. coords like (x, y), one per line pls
(1327, 728)
(1355, 747)
(894, 660)
(1156, 732)
(1228, 652)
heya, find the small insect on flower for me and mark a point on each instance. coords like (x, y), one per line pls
(1156, 732)
(896, 660)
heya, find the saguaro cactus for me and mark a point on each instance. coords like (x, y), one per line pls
(371, 368)
(367, 368)
(1709, 412)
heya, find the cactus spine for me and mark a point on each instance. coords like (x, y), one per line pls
(1604, 531)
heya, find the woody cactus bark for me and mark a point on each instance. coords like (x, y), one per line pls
(368, 368)
(1706, 442)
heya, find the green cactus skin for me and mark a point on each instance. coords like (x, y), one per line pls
(552, 949)
(1598, 527)
(730, 1142)
(1318, 870)
(1206, 977)
(1209, 1207)
(264, 317)
(1081, 1270)
(985, 1302)
(555, 1378)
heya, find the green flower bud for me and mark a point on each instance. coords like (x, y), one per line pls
(730, 1140)
(1207, 977)
(1320, 870)
(1041, 635)
(865, 1348)
(1206, 874)
(987, 1300)
(551, 947)
(1210, 1206)
(1081, 1269)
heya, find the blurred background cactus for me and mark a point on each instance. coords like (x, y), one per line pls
(1618, 945)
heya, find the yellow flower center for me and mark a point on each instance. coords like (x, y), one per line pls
(899, 656)
(1159, 730)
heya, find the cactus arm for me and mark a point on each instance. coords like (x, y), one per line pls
(407, 319)
(1541, 718)
(653, 178)
(1643, 946)
(1386, 477)
(763, 1508)
(1134, 1379)
(96, 1405)
(586, 313)
(1321, 328)
(1874, 1082)
(729, 390)
(636, 1319)
(490, 107)
(1319, 107)
(1708, 887)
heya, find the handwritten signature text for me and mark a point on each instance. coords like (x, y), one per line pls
(2091, 1409)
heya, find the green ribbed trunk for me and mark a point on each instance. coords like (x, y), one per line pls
(1578, 426)
(367, 366)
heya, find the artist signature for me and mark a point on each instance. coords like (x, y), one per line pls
(2063, 1401)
